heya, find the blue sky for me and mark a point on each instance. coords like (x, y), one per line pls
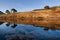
(26, 5)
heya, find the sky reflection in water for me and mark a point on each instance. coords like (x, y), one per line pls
(26, 32)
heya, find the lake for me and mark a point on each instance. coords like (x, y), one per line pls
(26, 32)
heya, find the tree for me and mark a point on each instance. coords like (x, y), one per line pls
(13, 10)
(1, 12)
(7, 11)
(46, 7)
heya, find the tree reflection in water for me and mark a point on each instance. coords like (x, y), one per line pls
(8, 24)
(13, 26)
(1, 23)
(46, 29)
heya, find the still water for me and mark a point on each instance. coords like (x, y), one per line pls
(26, 32)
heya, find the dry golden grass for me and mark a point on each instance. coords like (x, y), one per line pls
(47, 18)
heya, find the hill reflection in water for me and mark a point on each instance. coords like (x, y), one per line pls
(26, 32)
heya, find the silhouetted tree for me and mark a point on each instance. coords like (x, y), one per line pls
(7, 11)
(46, 7)
(1, 12)
(13, 10)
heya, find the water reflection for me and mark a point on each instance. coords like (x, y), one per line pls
(1, 23)
(10, 31)
(8, 24)
(46, 29)
(13, 26)
(19, 37)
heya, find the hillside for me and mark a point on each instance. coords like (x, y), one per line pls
(49, 18)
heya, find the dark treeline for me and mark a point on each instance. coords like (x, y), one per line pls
(8, 12)
(12, 11)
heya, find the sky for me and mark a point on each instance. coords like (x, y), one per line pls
(26, 5)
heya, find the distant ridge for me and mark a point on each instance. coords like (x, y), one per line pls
(50, 8)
